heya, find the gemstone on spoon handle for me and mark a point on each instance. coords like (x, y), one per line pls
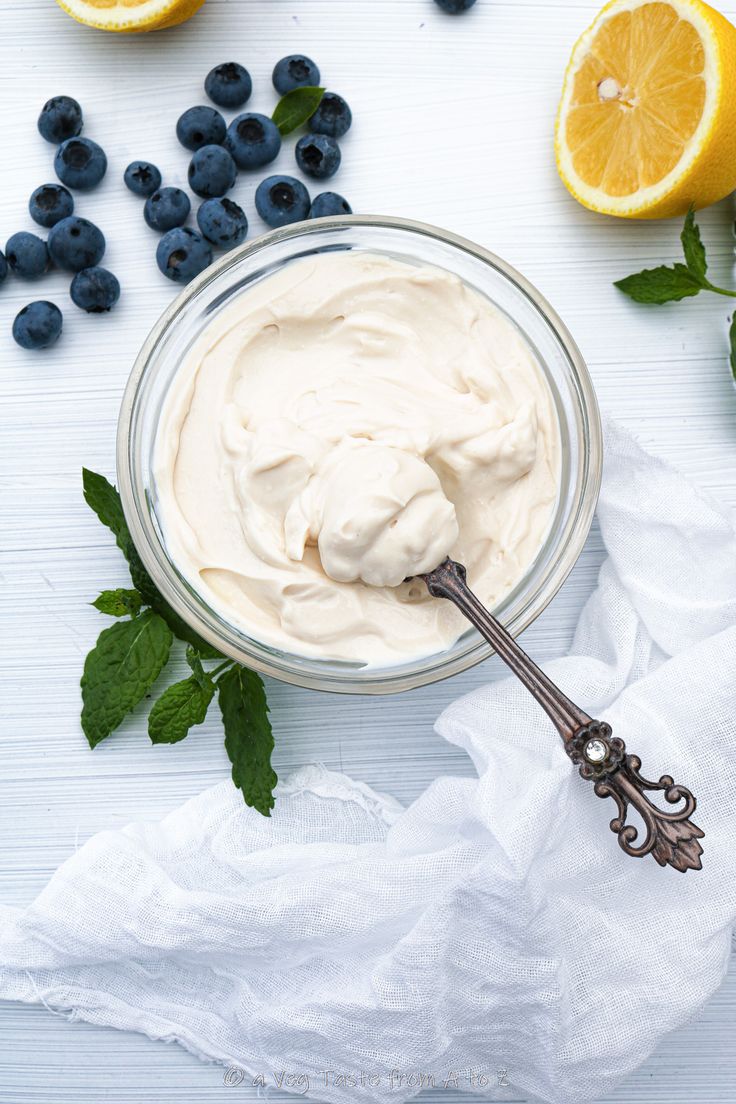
(669, 837)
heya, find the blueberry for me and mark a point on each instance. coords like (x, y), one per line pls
(49, 204)
(329, 203)
(253, 140)
(281, 200)
(60, 118)
(318, 155)
(166, 209)
(27, 255)
(142, 178)
(333, 116)
(80, 163)
(75, 243)
(200, 126)
(228, 85)
(222, 222)
(3, 267)
(455, 7)
(38, 325)
(183, 254)
(294, 71)
(95, 290)
(212, 171)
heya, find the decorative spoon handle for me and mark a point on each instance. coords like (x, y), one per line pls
(670, 837)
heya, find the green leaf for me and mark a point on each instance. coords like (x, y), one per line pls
(105, 500)
(142, 581)
(732, 341)
(248, 736)
(179, 708)
(661, 285)
(296, 107)
(693, 247)
(102, 497)
(120, 670)
(119, 603)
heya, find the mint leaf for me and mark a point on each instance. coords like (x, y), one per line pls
(693, 248)
(732, 342)
(295, 108)
(119, 671)
(142, 581)
(119, 603)
(660, 285)
(103, 498)
(179, 708)
(248, 736)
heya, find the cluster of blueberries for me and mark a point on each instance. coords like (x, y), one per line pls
(249, 142)
(74, 244)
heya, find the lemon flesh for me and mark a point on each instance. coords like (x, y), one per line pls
(130, 15)
(647, 121)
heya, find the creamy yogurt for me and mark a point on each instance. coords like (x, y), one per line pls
(344, 424)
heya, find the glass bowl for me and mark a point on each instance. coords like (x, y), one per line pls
(194, 308)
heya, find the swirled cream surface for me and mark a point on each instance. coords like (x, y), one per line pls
(344, 424)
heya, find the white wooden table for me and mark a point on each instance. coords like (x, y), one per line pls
(453, 125)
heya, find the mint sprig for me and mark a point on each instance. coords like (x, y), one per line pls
(667, 284)
(130, 655)
(295, 108)
(103, 498)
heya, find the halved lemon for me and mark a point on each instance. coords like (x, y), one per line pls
(647, 121)
(130, 15)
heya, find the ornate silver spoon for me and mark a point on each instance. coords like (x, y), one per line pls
(671, 837)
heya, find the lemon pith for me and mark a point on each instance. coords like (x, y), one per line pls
(130, 15)
(647, 120)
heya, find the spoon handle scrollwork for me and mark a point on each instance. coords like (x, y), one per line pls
(669, 836)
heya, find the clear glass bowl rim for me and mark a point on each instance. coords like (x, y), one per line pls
(353, 681)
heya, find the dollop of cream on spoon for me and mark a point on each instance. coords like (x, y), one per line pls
(376, 514)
